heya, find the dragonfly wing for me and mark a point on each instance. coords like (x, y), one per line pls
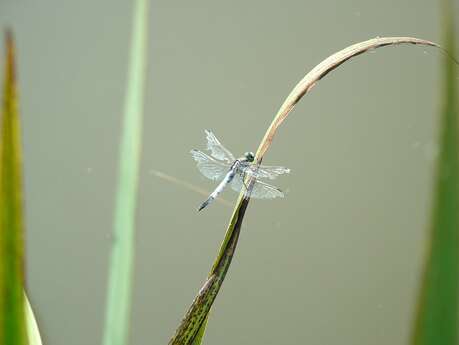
(270, 171)
(209, 167)
(260, 190)
(217, 149)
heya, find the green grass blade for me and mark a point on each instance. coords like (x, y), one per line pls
(201, 331)
(120, 275)
(192, 328)
(33, 334)
(12, 318)
(437, 318)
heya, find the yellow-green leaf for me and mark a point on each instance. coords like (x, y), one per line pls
(33, 333)
(12, 318)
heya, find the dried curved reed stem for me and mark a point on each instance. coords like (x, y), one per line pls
(192, 327)
(320, 71)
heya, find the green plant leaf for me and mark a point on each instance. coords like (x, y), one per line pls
(120, 275)
(437, 315)
(192, 327)
(12, 318)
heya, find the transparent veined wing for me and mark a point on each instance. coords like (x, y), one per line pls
(209, 167)
(217, 149)
(260, 190)
(269, 171)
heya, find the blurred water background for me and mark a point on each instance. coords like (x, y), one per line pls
(341, 258)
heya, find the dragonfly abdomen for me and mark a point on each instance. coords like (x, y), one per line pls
(226, 180)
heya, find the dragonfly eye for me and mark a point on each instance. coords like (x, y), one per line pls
(249, 156)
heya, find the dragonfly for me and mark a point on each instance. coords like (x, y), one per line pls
(221, 165)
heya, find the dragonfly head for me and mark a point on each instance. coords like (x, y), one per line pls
(249, 156)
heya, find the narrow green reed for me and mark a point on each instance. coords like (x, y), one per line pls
(12, 311)
(121, 262)
(437, 314)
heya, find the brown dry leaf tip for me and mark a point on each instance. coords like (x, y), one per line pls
(320, 71)
(10, 51)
